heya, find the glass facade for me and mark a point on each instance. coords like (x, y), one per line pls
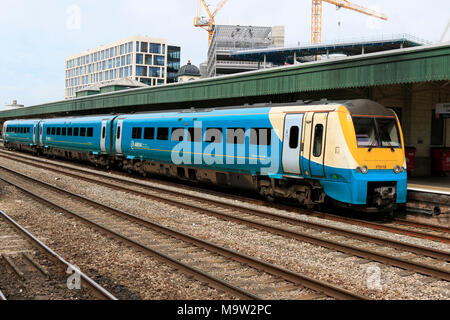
(173, 63)
(149, 62)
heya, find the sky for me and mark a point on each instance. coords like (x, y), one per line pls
(37, 36)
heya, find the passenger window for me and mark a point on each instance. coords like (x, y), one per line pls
(162, 134)
(236, 135)
(177, 134)
(75, 132)
(53, 131)
(64, 131)
(136, 133)
(58, 131)
(293, 137)
(103, 132)
(48, 131)
(69, 131)
(82, 132)
(195, 134)
(149, 133)
(90, 132)
(318, 135)
(260, 136)
(213, 135)
(118, 132)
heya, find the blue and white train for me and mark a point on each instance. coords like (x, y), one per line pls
(350, 152)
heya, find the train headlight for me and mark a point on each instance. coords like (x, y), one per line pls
(402, 169)
(397, 169)
(362, 169)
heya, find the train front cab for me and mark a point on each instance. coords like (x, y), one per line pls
(377, 161)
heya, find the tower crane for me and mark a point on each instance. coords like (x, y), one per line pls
(316, 15)
(207, 23)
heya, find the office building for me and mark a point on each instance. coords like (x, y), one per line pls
(228, 38)
(148, 60)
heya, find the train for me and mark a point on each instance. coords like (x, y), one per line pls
(349, 153)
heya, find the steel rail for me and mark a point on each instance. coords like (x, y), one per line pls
(422, 225)
(311, 283)
(422, 250)
(2, 297)
(99, 290)
(367, 224)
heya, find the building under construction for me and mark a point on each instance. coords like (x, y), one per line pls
(228, 38)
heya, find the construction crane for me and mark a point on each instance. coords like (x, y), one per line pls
(316, 15)
(207, 23)
(445, 31)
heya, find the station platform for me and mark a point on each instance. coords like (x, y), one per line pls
(432, 194)
(439, 185)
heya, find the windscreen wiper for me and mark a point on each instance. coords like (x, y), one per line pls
(372, 145)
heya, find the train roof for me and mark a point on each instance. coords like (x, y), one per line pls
(367, 107)
(355, 107)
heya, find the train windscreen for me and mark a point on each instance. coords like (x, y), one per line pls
(376, 132)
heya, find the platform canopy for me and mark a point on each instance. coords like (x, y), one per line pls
(281, 84)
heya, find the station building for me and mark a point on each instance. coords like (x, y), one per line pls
(148, 60)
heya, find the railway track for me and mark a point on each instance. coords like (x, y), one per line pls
(31, 270)
(243, 276)
(265, 220)
(398, 226)
(247, 216)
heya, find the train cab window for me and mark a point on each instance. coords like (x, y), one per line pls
(260, 136)
(293, 137)
(53, 131)
(318, 140)
(162, 134)
(90, 132)
(58, 131)
(76, 131)
(149, 133)
(177, 134)
(236, 135)
(195, 134)
(389, 134)
(69, 131)
(136, 133)
(82, 132)
(213, 135)
(63, 131)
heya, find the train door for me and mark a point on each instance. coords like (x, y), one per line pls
(41, 131)
(318, 144)
(4, 130)
(291, 143)
(35, 128)
(119, 136)
(103, 137)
